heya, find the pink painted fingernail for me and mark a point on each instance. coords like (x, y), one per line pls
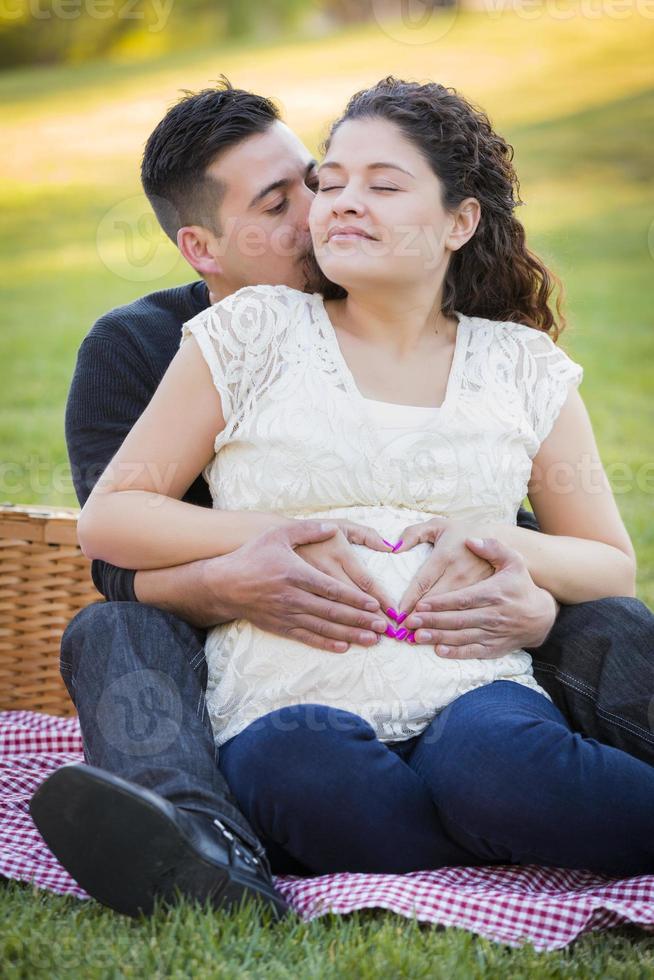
(391, 612)
(389, 543)
(411, 638)
(399, 544)
(401, 634)
(401, 617)
(390, 632)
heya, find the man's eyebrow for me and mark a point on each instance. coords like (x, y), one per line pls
(332, 164)
(276, 184)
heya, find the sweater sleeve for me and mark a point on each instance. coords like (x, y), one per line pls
(110, 389)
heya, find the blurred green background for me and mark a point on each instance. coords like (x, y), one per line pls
(570, 86)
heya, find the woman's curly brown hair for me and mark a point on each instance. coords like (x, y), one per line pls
(494, 275)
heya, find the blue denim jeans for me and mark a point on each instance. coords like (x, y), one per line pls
(137, 677)
(497, 777)
(598, 666)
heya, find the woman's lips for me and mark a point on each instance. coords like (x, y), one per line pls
(347, 234)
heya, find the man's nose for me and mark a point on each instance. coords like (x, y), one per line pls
(303, 216)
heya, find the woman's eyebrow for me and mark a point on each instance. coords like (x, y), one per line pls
(332, 164)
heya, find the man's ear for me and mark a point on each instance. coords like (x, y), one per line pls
(194, 242)
(465, 221)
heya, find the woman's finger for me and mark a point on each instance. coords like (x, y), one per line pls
(366, 536)
(361, 577)
(423, 533)
(423, 581)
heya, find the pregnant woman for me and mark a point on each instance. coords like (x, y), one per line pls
(411, 403)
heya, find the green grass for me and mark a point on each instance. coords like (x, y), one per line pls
(45, 935)
(576, 97)
(70, 141)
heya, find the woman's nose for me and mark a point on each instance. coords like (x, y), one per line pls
(347, 202)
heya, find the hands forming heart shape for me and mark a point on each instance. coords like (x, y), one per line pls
(472, 597)
(451, 565)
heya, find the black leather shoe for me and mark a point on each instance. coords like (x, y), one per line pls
(127, 846)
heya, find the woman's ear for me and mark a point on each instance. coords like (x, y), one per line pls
(195, 244)
(465, 220)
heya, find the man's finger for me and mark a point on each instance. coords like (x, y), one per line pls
(306, 532)
(453, 638)
(319, 642)
(334, 630)
(478, 618)
(472, 597)
(473, 652)
(308, 578)
(308, 604)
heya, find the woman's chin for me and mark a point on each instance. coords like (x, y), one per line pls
(354, 279)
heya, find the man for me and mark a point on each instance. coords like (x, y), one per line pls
(150, 815)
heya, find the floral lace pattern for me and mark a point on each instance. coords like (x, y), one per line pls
(298, 440)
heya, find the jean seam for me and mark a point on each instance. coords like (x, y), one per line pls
(628, 726)
(561, 674)
(196, 660)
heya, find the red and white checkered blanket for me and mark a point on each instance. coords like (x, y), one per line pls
(509, 904)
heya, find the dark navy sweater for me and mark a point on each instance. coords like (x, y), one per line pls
(119, 366)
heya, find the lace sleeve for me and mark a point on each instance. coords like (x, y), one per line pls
(547, 376)
(238, 338)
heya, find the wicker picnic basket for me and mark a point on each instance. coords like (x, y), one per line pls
(44, 581)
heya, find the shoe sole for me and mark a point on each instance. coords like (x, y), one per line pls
(126, 853)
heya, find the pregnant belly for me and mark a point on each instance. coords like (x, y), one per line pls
(394, 572)
(398, 687)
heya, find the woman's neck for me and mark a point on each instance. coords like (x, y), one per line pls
(401, 320)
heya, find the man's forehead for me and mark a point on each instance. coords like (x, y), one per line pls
(259, 160)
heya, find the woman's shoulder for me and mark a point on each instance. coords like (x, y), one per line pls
(503, 330)
(532, 349)
(264, 296)
(514, 359)
(251, 316)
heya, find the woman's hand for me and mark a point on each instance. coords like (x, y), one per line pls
(336, 557)
(451, 565)
(503, 613)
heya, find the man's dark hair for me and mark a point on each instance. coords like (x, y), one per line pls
(187, 140)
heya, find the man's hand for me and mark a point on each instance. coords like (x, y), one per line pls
(272, 586)
(496, 616)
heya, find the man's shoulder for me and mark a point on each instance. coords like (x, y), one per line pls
(155, 317)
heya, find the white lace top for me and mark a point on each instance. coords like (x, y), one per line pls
(300, 439)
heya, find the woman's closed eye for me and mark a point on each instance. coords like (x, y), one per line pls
(336, 187)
